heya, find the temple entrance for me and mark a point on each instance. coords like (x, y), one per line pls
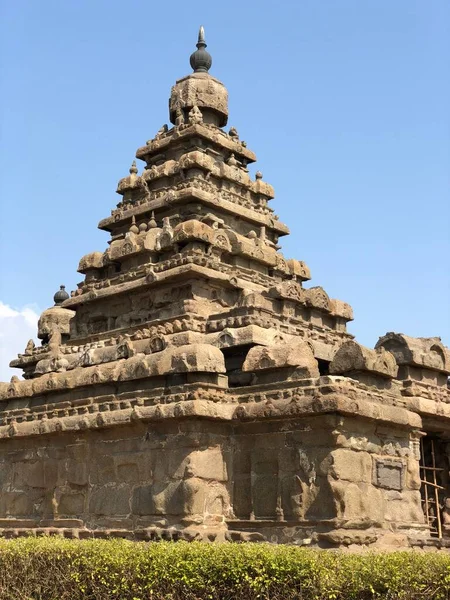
(433, 479)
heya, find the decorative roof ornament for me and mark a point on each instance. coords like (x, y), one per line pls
(60, 295)
(232, 161)
(131, 187)
(152, 223)
(201, 60)
(134, 228)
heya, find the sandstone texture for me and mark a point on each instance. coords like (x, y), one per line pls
(193, 386)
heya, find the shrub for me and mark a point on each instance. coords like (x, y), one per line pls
(51, 568)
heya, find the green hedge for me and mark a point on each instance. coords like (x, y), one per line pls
(51, 568)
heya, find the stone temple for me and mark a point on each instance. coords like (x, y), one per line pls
(192, 387)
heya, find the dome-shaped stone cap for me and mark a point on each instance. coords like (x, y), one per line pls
(130, 183)
(60, 295)
(54, 319)
(91, 261)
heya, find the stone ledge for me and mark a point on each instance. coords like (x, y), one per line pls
(330, 403)
(180, 196)
(101, 420)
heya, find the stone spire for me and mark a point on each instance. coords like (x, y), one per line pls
(133, 168)
(199, 91)
(132, 187)
(201, 60)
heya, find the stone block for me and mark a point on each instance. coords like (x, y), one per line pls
(405, 509)
(54, 320)
(173, 463)
(6, 473)
(71, 504)
(110, 500)
(217, 500)
(93, 260)
(208, 464)
(242, 504)
(351, 466)
(159, 498)
(142, 501)
(264, 495)
(353, 358)
(412, 475)
(135, 467)
(357, 501)
(16, 504)
(341, 309)
(316, 500)
(127, 472)
(29, 474)
(389, 474)
(294, 354)
(78, 452)
(103, 470)
(75, 472)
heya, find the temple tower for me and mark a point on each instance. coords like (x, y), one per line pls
(192, 386)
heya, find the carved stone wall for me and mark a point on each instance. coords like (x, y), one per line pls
(194, 386)
(341, 476)
(121, 478)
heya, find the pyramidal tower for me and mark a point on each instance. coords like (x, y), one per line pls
(192, 387)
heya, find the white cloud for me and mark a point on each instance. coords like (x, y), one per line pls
(16, 328)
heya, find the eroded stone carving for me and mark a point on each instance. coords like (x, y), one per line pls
(428, 353)
(192, 387)
(352, 357)
(278, 356)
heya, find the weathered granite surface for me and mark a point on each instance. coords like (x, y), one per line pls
(191, 386)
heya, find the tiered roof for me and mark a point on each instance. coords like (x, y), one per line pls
(194, 240)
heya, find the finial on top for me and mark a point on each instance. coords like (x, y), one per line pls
(60, 295)
(133, 168)
(152, 223)
(201, 60)
(134, 228)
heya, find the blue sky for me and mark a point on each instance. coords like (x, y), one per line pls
(346, 104)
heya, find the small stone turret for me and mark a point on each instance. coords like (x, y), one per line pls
(132, 188)
(199, 90)
(55, 321)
